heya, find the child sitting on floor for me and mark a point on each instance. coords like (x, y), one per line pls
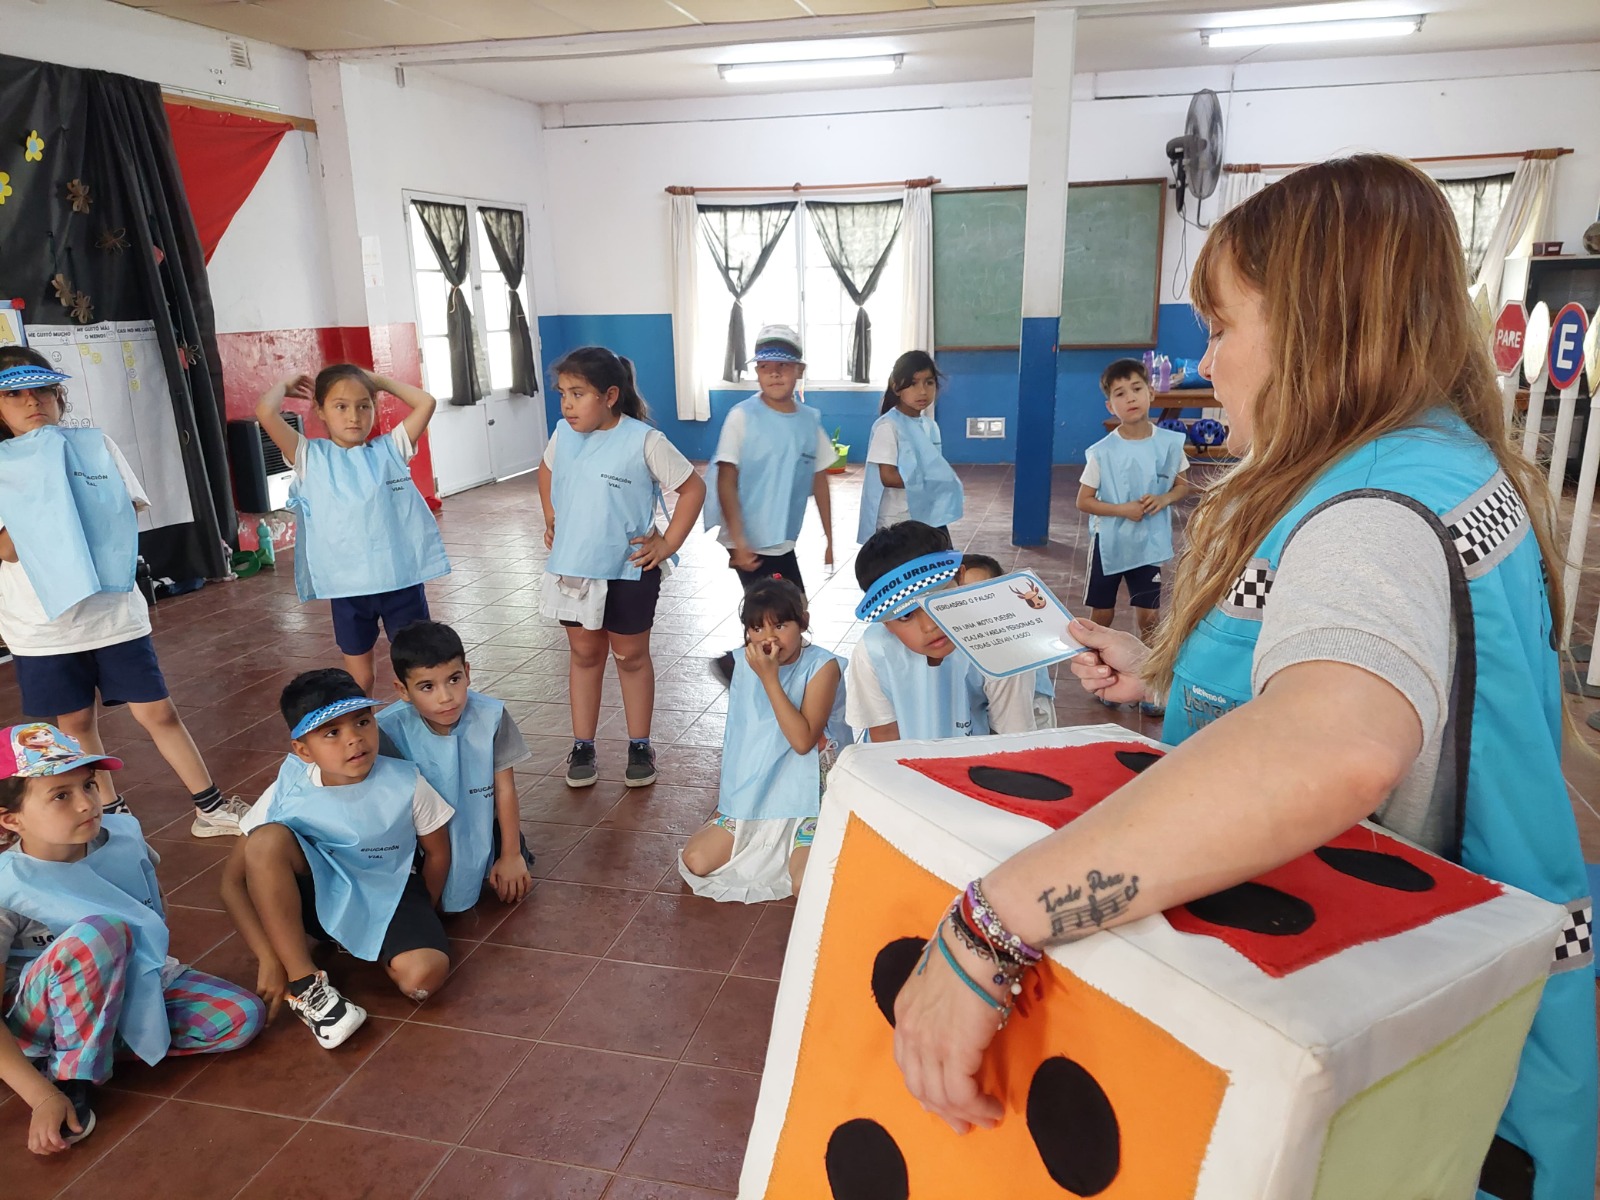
(975, 568)
(329, 851)
(84, 931)
(465, 744)
(782, 734)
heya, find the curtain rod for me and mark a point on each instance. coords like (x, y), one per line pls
(1551, 152)
(806, 187)
(190, 100)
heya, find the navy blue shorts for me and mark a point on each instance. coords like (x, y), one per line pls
(630, 605)
(1144, 584)
(53, 685)
(355, 618)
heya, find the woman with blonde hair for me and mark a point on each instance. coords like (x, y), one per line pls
(1363, 624)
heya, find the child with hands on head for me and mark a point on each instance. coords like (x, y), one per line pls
(329, 854)
(366, 540)
(605, 471)
(466, 746)
(784, 729)
(83, 928)
(77, 627)
(907, 477)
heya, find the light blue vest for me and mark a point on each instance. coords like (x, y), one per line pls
(116, 879)
(1500, 770)
(363, 526)
(777, 464)
(65, 506)
(359, 840)
(604, 497)
(1129, 470)
(933, 493)
(762, 776)
(460, 766)
(945, 701)
(1043, 685)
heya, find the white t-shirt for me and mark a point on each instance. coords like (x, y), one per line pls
(429, 811)
(401, 439)
(867, 706)
(103, 619)
(665, 462)
(1091, 468)
(729, 444)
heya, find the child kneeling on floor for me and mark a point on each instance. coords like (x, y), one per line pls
(784, 729)
(465, 744)
(329, 853)
(87, 973)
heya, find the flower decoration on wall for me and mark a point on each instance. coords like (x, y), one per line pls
(35, 147)
(63, 290)
(115, 240)
(78, 195)
(5, 186)
(82, 308)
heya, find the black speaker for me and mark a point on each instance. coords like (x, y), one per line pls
(254, 459)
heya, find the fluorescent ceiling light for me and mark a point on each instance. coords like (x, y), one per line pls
(1311, 31)
(815, 68)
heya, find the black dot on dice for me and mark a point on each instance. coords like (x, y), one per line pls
(1074, 1127)
(1024, 785)
(890, 970)
(1256, 908)
(1373, 866)
(1137, 760)
(864, 1163)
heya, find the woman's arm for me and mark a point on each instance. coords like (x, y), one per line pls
(418, 401)
(269, 413)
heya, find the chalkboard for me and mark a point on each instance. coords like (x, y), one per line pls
(1110, 284)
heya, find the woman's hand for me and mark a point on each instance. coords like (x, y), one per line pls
(941, 1031)
(652, 552)
(1110, 667)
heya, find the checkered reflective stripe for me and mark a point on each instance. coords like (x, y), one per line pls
(1480, 531)
(921, 584)
(1248, 595)
(1575, 946)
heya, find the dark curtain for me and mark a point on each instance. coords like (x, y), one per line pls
(446, 225)
(134, 255)
(505, 229)
(1476, 204)
(856, 239)
(742, 238)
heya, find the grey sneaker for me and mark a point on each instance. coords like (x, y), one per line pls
(580, 766)
(222, 821)
(641, 770)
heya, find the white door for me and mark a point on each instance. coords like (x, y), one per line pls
(460, 437)
(516, 434)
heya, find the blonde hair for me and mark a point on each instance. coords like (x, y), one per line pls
(1359, 268)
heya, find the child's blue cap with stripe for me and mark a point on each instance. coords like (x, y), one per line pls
(26, 376)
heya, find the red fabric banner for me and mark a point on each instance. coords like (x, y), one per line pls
(221, 156)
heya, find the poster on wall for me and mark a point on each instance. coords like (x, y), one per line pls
(119, 385)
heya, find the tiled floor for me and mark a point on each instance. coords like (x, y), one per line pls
(605, 1038)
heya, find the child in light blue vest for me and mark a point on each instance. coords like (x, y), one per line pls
(975, 568)
(84, 935)
(784, 729)
(907, 680)
(331, 853)
(605, 470)
(365, 539)
(465, 744)
(907, 477)
(78, 628)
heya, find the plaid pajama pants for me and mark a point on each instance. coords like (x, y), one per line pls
(69, 1001)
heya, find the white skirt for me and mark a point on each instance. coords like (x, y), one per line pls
(568, 598)
(757, 870)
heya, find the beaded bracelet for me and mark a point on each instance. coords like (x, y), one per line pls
(1003, 1009)
(986, 921)
(1006, 971)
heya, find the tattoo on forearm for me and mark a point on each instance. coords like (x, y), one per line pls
(1076, 911)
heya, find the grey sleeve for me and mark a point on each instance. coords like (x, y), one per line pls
(509, 747)
(1365, 582)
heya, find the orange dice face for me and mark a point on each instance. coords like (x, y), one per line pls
(1099, 1101)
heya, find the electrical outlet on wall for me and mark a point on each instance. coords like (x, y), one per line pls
(986, 427)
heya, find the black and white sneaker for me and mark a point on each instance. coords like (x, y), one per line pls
(79, 1092)
(330, 1017)
(580, 766)
(641, 770)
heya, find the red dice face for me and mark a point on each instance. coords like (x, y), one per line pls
(1360, 887)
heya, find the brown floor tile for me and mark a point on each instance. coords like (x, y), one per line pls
(182, 860)
(328, 1162)
(426, 1082)
(167, 1078)
(696, 1133)
(475, 1175)
(550, 844)
(479, 921)
(687, 931)
(624, 1187)
(636, 1009)
(535, 1115)
(158, 805)
(186, 1152)
(508, 990)
(762, 956)
(28, 1176)
(618, 858)
(663, 808)
(205, 889)
(284, 1071)
(736, 1027)
(195, 931)
(572, 917)
(548, 798)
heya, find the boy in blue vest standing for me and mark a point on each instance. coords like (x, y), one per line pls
(1133, 476)
(465, 744)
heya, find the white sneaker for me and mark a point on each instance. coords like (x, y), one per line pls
(330, 1017)
(222, 821)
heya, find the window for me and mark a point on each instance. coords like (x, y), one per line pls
(798, 287)
(1476, 204)
(487, 296)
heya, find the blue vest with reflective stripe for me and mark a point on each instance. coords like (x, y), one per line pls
(933, 493)
(777, 463)
(604, 497)
(363, 527)
(930, 702)
(1509, 816)
(65, 506)
(1128, 470)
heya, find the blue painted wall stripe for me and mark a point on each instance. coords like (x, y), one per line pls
(1036, 419)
